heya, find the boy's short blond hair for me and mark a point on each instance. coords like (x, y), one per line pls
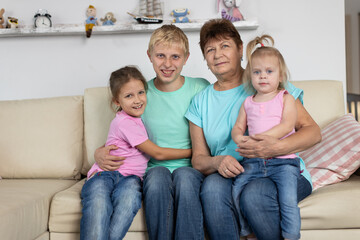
(169, 34)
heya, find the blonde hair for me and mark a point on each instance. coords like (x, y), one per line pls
(169, 34)
(258, 47)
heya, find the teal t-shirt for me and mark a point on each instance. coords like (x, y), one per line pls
(165, 122)
(216, 113)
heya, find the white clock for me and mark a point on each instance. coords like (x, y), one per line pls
(42, 19)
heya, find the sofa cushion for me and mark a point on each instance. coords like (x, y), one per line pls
(332, 207)
(323, 106)
(97, 115)
(41, 138)
(337, 156)
(25, 204)
(65, 212)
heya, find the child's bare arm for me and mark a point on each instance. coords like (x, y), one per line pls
(237, 133)
(161, 153)
(288, 119)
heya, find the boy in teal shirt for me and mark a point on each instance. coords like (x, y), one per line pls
(171, 188)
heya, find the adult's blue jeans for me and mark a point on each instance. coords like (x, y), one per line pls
(258, 202)
(110, 202)
(285, 174)
(172, 203)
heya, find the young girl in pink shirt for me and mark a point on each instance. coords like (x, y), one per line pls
(121, 189)
(270, 111)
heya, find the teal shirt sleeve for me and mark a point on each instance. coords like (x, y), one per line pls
(193, 113)
(296, 92)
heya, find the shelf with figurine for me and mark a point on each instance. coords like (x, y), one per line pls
(143, 22)
(118, 28)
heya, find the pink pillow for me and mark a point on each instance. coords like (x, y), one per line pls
(337, 156)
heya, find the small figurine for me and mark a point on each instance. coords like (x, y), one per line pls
(91, 21)
(180, 15)
(12, 22)
(108, 19)
(232, 11)
(2, 11)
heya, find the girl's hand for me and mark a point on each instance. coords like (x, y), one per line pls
(259, 146)
(106, 161)
(229, 167)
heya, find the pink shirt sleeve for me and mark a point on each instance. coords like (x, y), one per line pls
(133, 131)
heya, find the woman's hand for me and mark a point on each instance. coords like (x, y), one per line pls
(106, 161)
(259, 146)
(229, 167)
(201, 160)
(307, 135)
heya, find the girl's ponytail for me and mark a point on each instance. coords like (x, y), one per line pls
(258, 42)
(259, 46)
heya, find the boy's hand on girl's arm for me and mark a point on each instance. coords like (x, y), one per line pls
(106, 161)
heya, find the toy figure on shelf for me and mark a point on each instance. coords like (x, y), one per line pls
(91, 21)
(231, 11)
(12, 22)
(180, 15)
(2, 11)
(108, 19)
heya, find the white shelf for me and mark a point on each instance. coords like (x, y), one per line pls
(79, 29)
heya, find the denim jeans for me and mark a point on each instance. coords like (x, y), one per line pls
(172, 203)
(258, 202)
(110, 202)
(284, 173)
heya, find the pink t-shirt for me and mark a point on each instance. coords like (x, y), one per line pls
(126, 132)
(262, 116)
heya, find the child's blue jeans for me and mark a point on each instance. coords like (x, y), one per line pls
(284, 173)
(110, 202)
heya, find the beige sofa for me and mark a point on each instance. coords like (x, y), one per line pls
(46, 144)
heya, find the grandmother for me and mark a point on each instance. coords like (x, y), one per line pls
(212, 114)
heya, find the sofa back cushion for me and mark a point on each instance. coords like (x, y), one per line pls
(41, 138)
(97, 115)
(323, 99)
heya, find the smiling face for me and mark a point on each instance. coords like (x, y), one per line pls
(168, 61)
(223, 57)
(132, 98)
(265, 74)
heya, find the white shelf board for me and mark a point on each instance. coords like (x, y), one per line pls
(79, 29)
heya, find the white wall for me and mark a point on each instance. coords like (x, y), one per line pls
(352, 9)
(310, 34)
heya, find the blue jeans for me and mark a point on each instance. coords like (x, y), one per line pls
(172, 203)
(258, 201)
(285, 174)
(110, 202)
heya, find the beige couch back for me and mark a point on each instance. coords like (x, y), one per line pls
(97, 115)
(323, 99)
(41, 138)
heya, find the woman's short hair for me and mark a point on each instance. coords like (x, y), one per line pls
(218, 29)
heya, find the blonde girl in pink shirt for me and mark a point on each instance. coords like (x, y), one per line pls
(120, 191)
(270, 110)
